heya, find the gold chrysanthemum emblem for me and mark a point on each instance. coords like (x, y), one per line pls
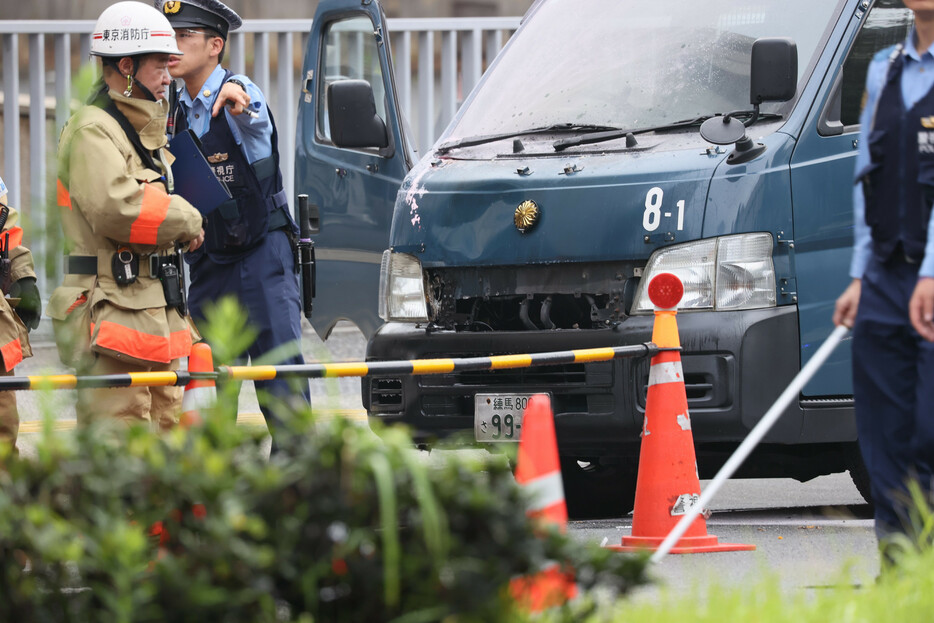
(170, 8)
(526, 215)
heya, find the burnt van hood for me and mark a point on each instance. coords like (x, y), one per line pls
(579, 208)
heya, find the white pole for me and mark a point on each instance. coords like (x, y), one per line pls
(754, 437)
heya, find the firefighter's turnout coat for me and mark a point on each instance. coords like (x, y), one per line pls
(109, 199)
(14, 340)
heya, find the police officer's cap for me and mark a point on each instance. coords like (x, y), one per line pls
(200, 14)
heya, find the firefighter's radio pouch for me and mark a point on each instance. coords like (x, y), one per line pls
(171, 285)
(125, 266)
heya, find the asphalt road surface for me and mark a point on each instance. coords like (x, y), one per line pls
(808, 536)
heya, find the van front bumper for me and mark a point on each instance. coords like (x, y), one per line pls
(735, 364)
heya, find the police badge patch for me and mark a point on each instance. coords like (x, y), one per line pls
(170, 8)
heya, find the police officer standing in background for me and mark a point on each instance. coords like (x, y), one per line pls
(250, 240)
(890, 302)
(118, 309)
(18, 279)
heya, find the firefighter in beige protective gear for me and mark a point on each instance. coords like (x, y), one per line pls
(121, 306)
(18, 314)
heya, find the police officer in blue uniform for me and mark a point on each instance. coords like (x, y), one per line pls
(890, 302)
(250, 240)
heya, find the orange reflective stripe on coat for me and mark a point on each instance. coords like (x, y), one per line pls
(145, 229)
(118, 338)
(12, 354)
(63, 197)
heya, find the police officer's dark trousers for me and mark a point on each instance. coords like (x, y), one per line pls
(893, 386)
(266, 285)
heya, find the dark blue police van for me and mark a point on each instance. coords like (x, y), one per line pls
(608, 141)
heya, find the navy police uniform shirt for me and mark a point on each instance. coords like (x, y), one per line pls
(917, 80)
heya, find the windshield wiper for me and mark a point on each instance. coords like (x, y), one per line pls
(490, 138)
(600, 137)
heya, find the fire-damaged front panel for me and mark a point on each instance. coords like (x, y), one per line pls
(532, 298)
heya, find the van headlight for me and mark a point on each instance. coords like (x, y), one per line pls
(727, 273)
(401, 288)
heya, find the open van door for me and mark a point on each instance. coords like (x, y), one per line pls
(822, 172)
(351, 157)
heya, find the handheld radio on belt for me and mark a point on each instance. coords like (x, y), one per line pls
(173, 109)
(183, 287)
(306, 250)
(171, 272)
(6, 271)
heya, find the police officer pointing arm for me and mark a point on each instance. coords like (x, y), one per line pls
(249, 249)
(890, 302)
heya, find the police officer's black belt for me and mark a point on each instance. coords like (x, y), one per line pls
(87, 265)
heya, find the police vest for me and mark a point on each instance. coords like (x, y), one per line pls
(898, 183)
(259, 204)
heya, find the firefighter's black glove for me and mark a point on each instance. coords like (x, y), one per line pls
(30, 303)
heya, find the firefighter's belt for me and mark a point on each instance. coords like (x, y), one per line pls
(87, 265)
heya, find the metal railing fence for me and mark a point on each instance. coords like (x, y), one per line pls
(437, 62)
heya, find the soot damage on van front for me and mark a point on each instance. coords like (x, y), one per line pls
(531, 298)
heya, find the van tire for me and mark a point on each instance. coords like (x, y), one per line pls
(858, 473)
(596, 491)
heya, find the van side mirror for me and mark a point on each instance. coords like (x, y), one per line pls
(773, 75)
(352, 115)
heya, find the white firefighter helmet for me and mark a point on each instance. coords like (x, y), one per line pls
(132, 28)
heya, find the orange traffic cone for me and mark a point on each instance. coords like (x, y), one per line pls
(539, 472)
(200, 394)
(668, 485)
(538, 469)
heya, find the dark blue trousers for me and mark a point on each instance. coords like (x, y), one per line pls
(893, 390)
(266, 285)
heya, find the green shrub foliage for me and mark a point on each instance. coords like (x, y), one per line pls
(341, 525)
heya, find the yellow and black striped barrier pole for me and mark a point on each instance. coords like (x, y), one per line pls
(71, 381)
(433, 366)
(331, 370)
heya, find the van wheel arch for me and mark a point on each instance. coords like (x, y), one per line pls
(594, 490)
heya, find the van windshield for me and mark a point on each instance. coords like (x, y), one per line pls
(634, 64)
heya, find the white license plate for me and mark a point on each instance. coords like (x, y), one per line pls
(498, 417)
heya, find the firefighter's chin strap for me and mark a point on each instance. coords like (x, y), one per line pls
(131, 78)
